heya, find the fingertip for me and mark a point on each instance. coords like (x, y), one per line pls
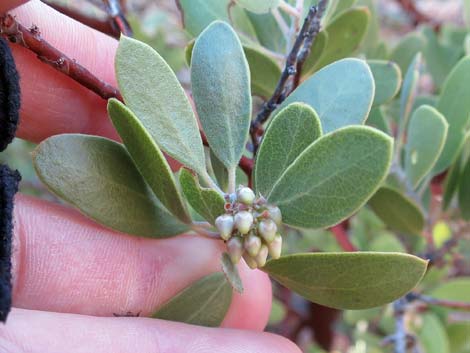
(250, 310)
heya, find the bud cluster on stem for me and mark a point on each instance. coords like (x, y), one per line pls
(250, 228)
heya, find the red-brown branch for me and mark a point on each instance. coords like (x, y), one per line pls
(31, 39)
(342, 237)
(103, 26)
(416, 15)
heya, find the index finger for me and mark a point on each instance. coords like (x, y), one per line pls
(53, 103)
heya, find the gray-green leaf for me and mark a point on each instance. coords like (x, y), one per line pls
(203, 303)
(98, 176)
(333, 177)
(409, 90)
(231, 273)
(426, 136)
(341, 93)
(290, 132)
(397, 211)
(387, 77)
(152, 92)
(348, 280)
(264, 72)
(220, 80)
(207, 202)
(148, 158)
(453, 104)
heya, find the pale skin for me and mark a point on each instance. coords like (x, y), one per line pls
(70, 275)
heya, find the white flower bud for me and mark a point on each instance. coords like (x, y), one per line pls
(252, 245)
(275, 247)
(262, 256)
(235, 249)
(267, 229)
(251, 262)
(246, 195)
(224, 224)
(275, 215)
(243, 221)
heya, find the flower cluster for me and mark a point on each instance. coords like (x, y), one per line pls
(250, 228)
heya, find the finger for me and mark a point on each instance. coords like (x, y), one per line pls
(7, 5)
(58, 333)
(63, 262)
(53, 103)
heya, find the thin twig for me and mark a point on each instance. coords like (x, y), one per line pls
(451, 304)
(281, 91)
(305, 52)
(31, 39)
(116, 14)
(289, 9)
(102, 26)
(399, 308)
(342, 237)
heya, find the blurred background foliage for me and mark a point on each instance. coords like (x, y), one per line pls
(396, 32)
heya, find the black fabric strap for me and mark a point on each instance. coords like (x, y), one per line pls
(9, 95)
(9, 181)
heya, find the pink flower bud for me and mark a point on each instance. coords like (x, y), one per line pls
(246, 195)
(250, 261)
(235, 249)
(275, 215)
(262, 256)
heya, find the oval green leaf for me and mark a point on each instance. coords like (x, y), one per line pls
(207, 202)
(220, 80)
(387, 77)
(357, 280)
(203, 303)
(290, 132)
(316, 52)
(405, 51)
(345, 34)
(259, 6)
(397, 211)
(98, 176)
(333, 177)
(453, 104)
(340, 93)
(432, 335)
(152, 92)
(426, 136)
(148, 158)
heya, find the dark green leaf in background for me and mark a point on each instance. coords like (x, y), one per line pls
(148, 158)
(348, 280)
(454, 105)
(204, 303)
(259, 6)
(397, 211)
(290, 132)
(340, 93)
(333, 177)
(207, 202)
(152, 92)
(345, 34)
(464, 192)
(220, 80)
(264, 72)
(98, 176)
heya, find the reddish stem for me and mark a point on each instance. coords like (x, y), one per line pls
(342, 237)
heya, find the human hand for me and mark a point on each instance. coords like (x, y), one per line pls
(70, 274)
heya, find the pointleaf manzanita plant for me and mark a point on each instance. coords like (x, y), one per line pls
(317, 165)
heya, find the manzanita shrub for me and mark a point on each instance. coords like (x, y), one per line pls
(357, 140)
(317, 165)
